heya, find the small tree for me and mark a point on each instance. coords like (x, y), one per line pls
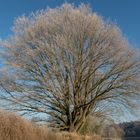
(65, 63)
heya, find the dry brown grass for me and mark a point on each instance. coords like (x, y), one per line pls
(13, 127)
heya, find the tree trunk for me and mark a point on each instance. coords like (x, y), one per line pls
(78, 121)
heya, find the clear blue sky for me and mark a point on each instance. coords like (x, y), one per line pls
(126, 13)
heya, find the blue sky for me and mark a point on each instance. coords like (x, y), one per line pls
(126, 13)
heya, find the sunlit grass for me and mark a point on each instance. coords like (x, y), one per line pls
(13, 127)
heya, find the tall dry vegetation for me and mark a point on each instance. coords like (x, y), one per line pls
(13, 127)
(69, 64)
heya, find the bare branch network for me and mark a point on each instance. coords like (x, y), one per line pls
(65, 63)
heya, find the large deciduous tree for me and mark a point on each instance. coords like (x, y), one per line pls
(66, 62)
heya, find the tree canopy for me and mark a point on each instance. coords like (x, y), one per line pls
(67, 63)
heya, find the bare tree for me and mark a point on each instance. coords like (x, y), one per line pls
(65, 63)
